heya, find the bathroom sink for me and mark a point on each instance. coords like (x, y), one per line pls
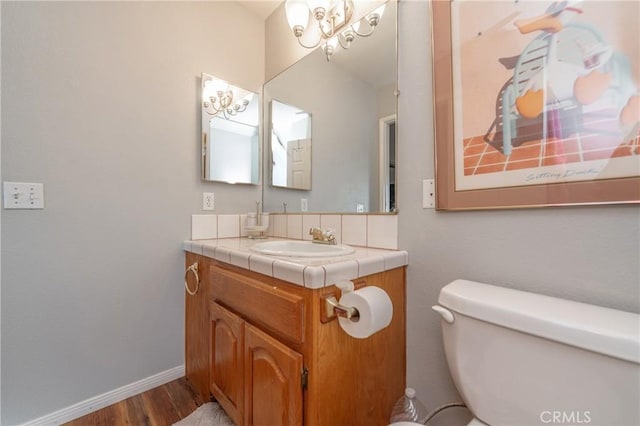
(301, 249)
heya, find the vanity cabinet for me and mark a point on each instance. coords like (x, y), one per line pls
(273, 358)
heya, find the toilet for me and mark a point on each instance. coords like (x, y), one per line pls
(519, 358)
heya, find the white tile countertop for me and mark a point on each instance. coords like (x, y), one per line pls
(314, 272)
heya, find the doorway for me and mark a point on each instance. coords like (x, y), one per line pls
(387, 169)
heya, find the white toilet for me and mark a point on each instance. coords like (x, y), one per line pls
(520, 358)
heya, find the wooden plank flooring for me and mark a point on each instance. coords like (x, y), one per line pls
(161, 406)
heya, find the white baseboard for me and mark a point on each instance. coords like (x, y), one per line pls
(97, 402)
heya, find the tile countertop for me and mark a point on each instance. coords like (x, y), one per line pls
(307, 272)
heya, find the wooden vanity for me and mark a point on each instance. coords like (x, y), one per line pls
(265, 350)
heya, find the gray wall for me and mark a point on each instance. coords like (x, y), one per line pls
(589, 254)
(100, 102)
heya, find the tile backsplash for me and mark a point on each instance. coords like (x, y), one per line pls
(366, 230)
(204, 226)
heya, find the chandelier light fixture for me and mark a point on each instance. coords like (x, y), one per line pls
(222, 98)
(333, 19)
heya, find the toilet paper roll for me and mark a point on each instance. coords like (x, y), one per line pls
(375, 308)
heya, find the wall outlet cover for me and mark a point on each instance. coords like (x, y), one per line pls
(207, 201)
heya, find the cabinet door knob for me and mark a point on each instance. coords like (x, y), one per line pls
(194, 269)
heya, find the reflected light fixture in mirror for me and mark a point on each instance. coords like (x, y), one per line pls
(220, 97)
(331, 16)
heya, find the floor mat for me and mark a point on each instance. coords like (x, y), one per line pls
(209, 414)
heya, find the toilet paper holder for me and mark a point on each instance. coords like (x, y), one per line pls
(333, 309)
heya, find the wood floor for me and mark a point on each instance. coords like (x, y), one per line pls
(161, 406)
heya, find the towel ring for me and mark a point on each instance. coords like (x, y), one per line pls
(193, 268)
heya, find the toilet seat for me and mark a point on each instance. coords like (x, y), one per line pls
(473, 422)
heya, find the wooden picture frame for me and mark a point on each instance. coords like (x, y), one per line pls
(553, 182)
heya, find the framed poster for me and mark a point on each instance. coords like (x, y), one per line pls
(537, 103)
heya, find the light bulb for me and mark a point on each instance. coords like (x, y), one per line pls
(297, 14)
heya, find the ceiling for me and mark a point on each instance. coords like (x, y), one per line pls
(261, 8)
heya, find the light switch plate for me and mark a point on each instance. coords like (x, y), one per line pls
(428, 194)
(304, 204)
(23, 195)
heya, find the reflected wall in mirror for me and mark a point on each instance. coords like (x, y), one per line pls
(352, 99)
(230, 132)
(290, 146)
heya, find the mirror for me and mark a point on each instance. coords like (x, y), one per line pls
(351, 97)
(230, 132)
(290, 141)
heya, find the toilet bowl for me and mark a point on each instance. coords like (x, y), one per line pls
(518, 357)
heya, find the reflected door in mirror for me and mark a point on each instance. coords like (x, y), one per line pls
(290, 146)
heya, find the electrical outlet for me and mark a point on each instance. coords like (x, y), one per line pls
(207, 201)
(428, 194)
(304, 204)
(359, 208)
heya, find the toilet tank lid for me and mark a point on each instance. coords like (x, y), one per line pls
(603, 330)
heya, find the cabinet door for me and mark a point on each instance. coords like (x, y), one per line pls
(273, 389)
(227, 378)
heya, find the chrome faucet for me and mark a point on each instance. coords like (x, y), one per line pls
(323, 237)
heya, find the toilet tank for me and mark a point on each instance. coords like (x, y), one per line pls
(519, 358)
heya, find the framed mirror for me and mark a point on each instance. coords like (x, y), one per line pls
(290, 141)
(230, 132)
(351, 95)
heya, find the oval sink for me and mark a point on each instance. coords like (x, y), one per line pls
(301, 249)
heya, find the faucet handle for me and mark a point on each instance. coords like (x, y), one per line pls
(320, 236)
